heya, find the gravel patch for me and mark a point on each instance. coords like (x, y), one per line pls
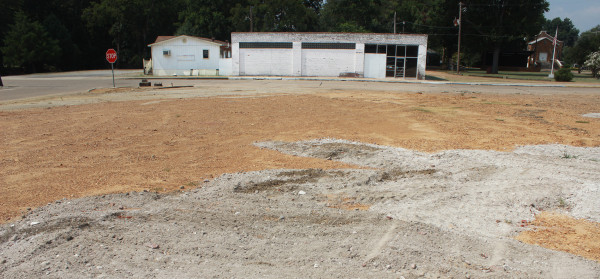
(451, 214)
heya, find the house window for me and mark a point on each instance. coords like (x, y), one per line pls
(543, 57)
(205, 53)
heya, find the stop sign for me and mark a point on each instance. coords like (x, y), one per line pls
(111, 56)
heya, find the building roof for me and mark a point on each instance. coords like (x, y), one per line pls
(329, 37)
(161, 39)
(331, 33)
(544, 36)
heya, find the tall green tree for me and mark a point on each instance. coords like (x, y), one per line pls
(62, 19)
(501, 24)
(588, 42)
(7, 13)
(70, 56)
(28, 44)
(130, 25)
(205, 18)
(566, 30)
(275, 16)
(355, 15)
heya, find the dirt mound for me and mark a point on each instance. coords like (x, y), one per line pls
(448, 214)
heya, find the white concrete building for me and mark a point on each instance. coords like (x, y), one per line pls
(189, 56)
(329, 54)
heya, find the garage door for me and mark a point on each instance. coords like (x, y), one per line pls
(263, 59)
(328, 59)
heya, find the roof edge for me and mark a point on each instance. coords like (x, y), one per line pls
(217, 42)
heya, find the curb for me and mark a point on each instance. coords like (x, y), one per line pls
(400, 81)
(363, 80)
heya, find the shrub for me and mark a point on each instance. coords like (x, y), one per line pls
(563, 74)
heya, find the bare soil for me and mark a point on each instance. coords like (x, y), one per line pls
(109, 141)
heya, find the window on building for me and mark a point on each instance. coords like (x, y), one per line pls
(370, 48)
(329, 45)
(401, 60)
(205, 53)
(266, 45)
(412, 51)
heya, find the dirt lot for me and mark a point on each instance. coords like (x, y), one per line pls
(249, 196)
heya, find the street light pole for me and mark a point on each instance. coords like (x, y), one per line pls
(459, 31)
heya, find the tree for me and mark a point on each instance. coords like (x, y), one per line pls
(71, 54)
(7, 12)
(587, 43)
(566, 30)
(275, 16)
(593, 62)
(355, 15)
(28, 44)
(498, 24)
(205, 18)
(130, 25)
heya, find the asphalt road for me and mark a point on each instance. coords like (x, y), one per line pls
(36, 85)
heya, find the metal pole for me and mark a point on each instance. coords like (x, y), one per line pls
(113, 73)
(459, 31)
(394, 22)
(551, 75)
(251, 20)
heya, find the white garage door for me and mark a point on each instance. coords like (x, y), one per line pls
(265, 62)
(327, 62)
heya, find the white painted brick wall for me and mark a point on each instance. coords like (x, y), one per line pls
(315, 62)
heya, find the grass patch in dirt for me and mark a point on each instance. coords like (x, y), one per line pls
(294, 177)
(333, 151)
(394, 174)
(563, 233)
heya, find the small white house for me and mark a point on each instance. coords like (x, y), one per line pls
(329, 54)
(189, 56)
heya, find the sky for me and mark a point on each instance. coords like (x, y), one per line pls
(585, 14)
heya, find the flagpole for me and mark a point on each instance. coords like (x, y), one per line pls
(551, 75)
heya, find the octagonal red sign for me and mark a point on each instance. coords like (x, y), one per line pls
(111, 56)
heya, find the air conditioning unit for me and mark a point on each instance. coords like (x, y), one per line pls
(166, 52)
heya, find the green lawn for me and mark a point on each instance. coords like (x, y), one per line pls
(585, 76)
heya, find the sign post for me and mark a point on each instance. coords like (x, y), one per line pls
(111, 57)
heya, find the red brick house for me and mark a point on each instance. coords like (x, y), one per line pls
(542, 48)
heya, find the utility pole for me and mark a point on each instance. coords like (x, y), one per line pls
(251, 20)
(394, 22)
(403, 22)
(459, 31)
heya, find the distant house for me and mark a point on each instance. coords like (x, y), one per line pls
(542, 48)
(188, 56)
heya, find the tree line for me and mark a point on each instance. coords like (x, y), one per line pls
(55, 35)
